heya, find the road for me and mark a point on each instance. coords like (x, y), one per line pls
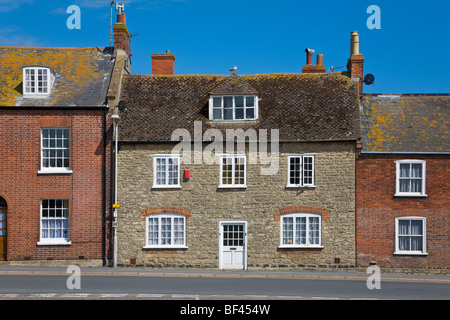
(100, 286)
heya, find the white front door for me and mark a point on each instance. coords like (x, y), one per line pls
(233, 245)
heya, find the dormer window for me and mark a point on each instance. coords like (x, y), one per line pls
(233, 108)
(37, 80)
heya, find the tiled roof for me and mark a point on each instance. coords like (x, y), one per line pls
(82, 75)
(406, 123)
(304, 107)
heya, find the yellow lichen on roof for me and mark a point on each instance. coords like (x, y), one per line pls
(76, 70)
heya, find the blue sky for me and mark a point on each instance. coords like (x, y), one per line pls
(409, 54)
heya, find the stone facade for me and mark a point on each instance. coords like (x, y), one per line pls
(260, 205)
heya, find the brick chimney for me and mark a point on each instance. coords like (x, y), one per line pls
(309, 67)
(355, 65)
(121, 34)
(163, 63)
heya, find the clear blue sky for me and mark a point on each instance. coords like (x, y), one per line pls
(409, 54)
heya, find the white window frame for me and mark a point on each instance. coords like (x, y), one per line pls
(397, 235)
(233, 170)
(64, 218)
(155, 173)
(56, 169)
(211, 108)
(423, 178)
(302, 170)
(295, 229)
(159, 217)
(31, 87)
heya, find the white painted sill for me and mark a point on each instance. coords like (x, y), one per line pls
(299, 186)
(232, 187)
(406, 253)
(299, 247)
(166, 247)
(55, 171)
(54, 243)
(412, 195)
(166, 187)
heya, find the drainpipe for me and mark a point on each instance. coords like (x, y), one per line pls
(104, 190)
(115, 118)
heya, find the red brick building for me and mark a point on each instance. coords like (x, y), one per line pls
(402, 181)
(55, 166)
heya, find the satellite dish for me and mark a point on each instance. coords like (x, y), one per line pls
(122, 105)
(369, 79)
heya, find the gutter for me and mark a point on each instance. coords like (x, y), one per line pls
(381, 153)
(72, 108)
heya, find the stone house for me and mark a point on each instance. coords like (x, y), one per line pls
(55, 166)
(238, 171)
(402, 183)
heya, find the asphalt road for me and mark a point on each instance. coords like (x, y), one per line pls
(41, 286)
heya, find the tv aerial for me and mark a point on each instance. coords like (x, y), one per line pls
(120, 8)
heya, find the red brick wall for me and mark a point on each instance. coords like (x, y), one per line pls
(377, 209)
(23, 187)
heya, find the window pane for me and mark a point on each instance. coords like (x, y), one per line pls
(250, 101)
(288, 230)
(228, 108)
(294, 170)
(239, 114)
(217, 114)
(228, 114)
(217, 102)
(416, 227)
(416, 170)
(416, 185)
(404, 170)
(152, 231)
(404, 185)
(239, 107)
(250, 113)
(308, 170)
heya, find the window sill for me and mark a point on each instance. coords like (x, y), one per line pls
(299, 186)
(166, 187)
(61, 171)
(54, 243)
(410, 195)
(299, 247)
(234, 121)
(406, 253)
(232, 187)
(165, 247)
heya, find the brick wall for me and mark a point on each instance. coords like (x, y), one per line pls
(260, 204)
(23, 187)
(377, 209)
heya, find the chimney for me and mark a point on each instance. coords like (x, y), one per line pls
(121, 34)
(163, 63)
(309, 67)
(355, 65)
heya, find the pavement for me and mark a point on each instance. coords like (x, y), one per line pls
(214, 273)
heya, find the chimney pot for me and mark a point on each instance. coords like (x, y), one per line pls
(354, 43)
(320, 59)
(122, 18)
(309, 54)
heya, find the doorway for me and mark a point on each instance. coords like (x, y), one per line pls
(3, 211)
(233, 245)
